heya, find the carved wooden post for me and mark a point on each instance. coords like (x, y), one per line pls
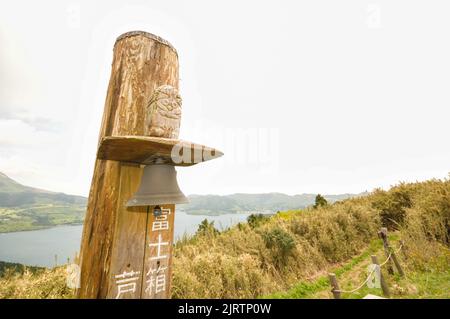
(121, 248)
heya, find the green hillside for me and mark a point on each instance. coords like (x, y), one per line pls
(266, 202)
(28, 208)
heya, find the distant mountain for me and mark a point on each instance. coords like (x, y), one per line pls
(266, 202)
(26, 208)
(13, 194)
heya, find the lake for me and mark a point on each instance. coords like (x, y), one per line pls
(39, 247)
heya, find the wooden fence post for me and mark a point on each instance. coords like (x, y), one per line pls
(383, 283)
(335, 286)
(389, 250)
(397, 265)
(383, 235)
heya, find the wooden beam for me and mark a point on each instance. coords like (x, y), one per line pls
(147, 150)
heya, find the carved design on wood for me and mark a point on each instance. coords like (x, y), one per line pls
(163, 113)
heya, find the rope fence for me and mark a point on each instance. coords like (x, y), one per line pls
(360, 286)
(391, 256)
(387, 259)
(400, 248)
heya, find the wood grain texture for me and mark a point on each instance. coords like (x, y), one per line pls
(147, 150)
(129, 237)
(141, 63)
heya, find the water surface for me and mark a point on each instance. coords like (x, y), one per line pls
(39, 247)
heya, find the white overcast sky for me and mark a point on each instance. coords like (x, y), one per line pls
(302, 96)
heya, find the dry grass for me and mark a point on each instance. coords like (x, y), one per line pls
(42, 284)
(273, 255)
(246, 262)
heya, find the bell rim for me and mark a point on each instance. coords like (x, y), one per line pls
(142, 200)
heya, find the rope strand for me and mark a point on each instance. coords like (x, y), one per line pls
(360, 286)
(400, 248)
(387, 259)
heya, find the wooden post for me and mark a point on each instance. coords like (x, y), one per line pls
(388, 250)
(335, 286)
(383, 235)
(383, 283)
(115, 238)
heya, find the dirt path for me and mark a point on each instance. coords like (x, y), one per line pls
(432, 282)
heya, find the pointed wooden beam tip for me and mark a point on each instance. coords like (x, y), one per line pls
(147, 150)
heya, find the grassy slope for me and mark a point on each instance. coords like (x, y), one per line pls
(309, 289)
(15, 268)
(433, 282)
(289, 256)
(35, 284)
(430, 282)
(298, 248)
(39, 216)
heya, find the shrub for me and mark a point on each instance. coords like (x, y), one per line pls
(280, 241)
(256, 220)
(320, 201)
(206, 228)
(392, 205)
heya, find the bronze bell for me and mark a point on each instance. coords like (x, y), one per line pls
(158, 186)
